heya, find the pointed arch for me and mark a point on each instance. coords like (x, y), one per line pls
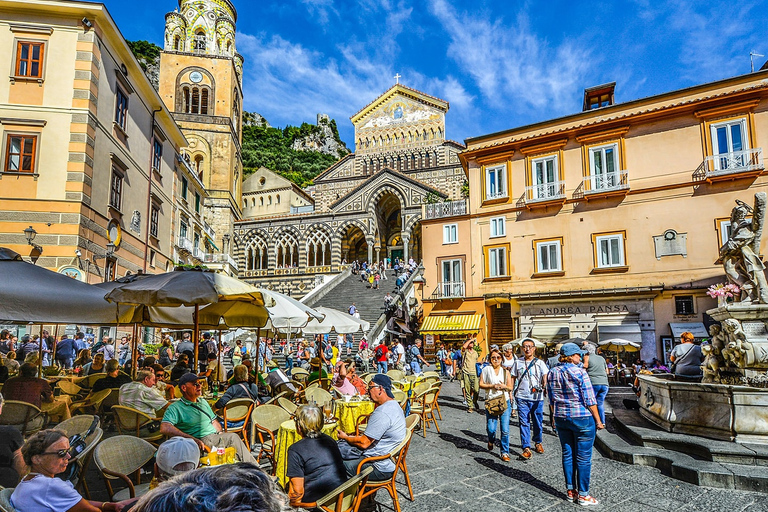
(286, 249)
(318, 247)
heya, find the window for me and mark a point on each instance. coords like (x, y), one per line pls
(256, 255)
(495, 182)
(603, 167)
(723, 227)
(184, 187)
(196, 241)
(450, 233)
(728, 140)
(154, 218)
(183, 230)
(157, 154)
(497, 261)
(29, 59)
(545, 183)
(452, 282)
(498, 227)
(116, 189)
(20, 153)
(684, 305)
(610, 250)
(548, 256)
(318, 249)
(121, 109)
(197, 202)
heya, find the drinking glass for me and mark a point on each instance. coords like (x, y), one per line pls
(327, 410)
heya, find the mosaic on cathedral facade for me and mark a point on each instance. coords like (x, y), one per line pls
(368, 205)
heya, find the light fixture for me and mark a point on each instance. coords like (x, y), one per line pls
(86, 23)
(78, 253)
(30, 233)
(110, 250)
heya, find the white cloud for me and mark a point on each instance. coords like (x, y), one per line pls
(321, 10)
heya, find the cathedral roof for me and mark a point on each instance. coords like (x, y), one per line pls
(404, 91)
(381, 173)
(334, 166)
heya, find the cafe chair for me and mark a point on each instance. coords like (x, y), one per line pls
(411, 423)
(77, 424)
(5, 500)
(286, 404)
(70, 388)
(317, 395)
(91, 403)
(23, 416)
(424, 405)
(236, 411)
(438, 386)
(344, 498)
(130, 421)
(397, 454)
(396, 374)
(119, 457)
(265, 422)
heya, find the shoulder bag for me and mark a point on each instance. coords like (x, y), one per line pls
(497, 406)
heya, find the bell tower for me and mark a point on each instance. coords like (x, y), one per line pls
(201, 83)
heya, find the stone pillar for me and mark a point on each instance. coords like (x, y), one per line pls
(369, 241)
(406, 237)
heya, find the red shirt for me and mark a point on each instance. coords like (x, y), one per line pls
(383, 353)
(28, 389)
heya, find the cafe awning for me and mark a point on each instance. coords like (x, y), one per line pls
(626, 332)
(549, 332)
(696, 328)
(451, 324)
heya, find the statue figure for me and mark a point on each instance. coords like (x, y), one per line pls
(717, 338)
(737, 345)
(740, 254)
(711, 365)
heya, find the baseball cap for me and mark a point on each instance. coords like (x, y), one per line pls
(271, 364)
(569, 349)
(385, 382)
(188, 377)
(176, 451)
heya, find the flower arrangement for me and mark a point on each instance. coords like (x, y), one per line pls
(725, 291)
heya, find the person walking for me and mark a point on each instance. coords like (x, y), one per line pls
(416, 357)
(442, 356)
(469, 374)
(380, 356)
(530, 375)
(576, 420)
(508, 361)
(497, 382)
(597, 369)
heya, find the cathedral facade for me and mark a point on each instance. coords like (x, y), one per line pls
(367, 206)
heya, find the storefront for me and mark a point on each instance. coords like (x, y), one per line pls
(449, 329)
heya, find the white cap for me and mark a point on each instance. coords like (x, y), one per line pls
(175, 451)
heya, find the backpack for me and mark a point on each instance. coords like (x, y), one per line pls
(77, 444)
(379, 352)
(328, 351)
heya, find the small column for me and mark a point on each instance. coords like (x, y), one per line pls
(406, 237)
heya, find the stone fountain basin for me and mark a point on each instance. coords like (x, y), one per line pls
(717, 411)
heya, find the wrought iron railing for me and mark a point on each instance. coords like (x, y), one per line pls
(446, 209)
(730, 163)
(185, 243)
(449, 289)
(545, 192)
(209, 230)
(595, 183)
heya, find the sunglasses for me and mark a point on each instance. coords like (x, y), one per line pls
(59, 453)
(373, 387)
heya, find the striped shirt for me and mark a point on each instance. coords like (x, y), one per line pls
(570, 391)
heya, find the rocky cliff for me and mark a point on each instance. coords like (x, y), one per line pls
(324, 138)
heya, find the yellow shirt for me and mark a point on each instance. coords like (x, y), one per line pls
(469, 359)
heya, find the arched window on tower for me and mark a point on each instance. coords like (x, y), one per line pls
(200, 41)
(185, 94)
(286, 251)
(261, 201)
(439, 133)
(229, 47)
(195, 105)
(204, 101)
(199, 166)
(277, 198)
(177, 43)
(318, 249)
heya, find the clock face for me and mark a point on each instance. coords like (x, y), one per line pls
(196, 77)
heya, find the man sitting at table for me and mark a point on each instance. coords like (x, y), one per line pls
(385, 430)
(192, 417)
(316, 370)
(142, 394)
(28, 388)
(114, 379)
(241, 388)
(215, 371)
(275, 377)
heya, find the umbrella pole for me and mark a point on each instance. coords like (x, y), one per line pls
(196, 338)
(55, 337)
(40, 354)
(258, 340)
(134, 350)
(218, 365)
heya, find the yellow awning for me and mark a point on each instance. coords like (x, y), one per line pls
(452, 324)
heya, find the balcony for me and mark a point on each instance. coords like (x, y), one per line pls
(184, 243)
(220, 258)
(446, 209)
(731, 166)
(309, 208)
(545, 194)
(604, 185)
(209, 231)
(198, 253)
(449, 290)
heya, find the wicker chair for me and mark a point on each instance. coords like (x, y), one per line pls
(91, 403)
(238, 409)
(5, 500)
(129, 421)
(326, 384)
(396, 374)
(265, 422)
(400, 396)
(397, 454)
(438, 386)
(424, 405)
(344, 498)
(317, 395)
(431, 374)
(77, 424)
(300, 374)
(411, 423)
(420, 388)
(88, 381)
(119, 457)
(360, 423)
(83, 459)
(24, 416)
(432, 379)
(70, 388)
(286, 404)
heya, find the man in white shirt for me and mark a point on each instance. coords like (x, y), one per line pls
(530, 375)
(399, 355)
(142, 394)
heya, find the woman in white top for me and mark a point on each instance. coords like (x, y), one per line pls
(508, 361)
(495, 380)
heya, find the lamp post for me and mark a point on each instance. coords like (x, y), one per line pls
(30, 234)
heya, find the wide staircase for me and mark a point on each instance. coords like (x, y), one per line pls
(502, 327)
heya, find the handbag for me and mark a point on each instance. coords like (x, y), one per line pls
(497, 406)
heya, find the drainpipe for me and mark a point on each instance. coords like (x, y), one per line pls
(149, 188)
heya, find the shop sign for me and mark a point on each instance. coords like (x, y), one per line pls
(429, 339)
(578, 309)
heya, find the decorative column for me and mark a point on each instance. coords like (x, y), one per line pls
(406, 238)
(369, 240)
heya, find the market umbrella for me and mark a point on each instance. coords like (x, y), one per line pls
(187, 287)
(617, 345)
(335, 320)
(536, 343)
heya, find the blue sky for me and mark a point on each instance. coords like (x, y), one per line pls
(500, 64)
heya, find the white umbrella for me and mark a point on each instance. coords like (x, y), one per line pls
(618, 344)
(335, 320)
(519, 341)
(287, 312)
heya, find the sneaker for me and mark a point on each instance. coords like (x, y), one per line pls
(526, 453)
(572, 494)
(587, 501)
(505, 457)
(490, 446)
(538, 448)
(470, 411)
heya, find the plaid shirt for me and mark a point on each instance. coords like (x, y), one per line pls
(570, 391)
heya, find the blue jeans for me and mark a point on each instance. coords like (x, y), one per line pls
(415, 368)
(577, 436)
(381, 366)
(530, 412)
(600, 391)
(490, 426)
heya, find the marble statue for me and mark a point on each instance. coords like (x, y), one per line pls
(736, 345)
(740, 254)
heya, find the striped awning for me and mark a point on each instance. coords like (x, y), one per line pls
(451, 324)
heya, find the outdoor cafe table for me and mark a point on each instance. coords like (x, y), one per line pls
(286, 436)
(349, 412)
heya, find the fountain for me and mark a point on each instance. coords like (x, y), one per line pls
(731, 401)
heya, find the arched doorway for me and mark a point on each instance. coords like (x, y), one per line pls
(389, 223)
(353, 244)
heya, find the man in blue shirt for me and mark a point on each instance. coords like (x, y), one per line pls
(65, 351)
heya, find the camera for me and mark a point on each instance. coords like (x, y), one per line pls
(534, 390)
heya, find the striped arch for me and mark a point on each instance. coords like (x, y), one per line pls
(374, 199)
(412, 222)
(255, 251)
(318, 245)
(286, 248)
(338, 236)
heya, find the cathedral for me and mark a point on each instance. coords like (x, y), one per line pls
(365, 207)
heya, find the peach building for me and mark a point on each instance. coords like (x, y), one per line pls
(89, 152)
(602, 224)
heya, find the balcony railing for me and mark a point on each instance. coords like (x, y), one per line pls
(545, 192)
(596, 183)
(309, 208)
(198, 253)
(220, 258)
(184, 243)
(730, 164)
(209, 230)
(498, 194)
(449, 289)
(446, 209)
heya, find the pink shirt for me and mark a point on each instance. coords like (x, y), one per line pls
(345, 388)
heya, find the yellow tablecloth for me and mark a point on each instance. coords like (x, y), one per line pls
(286, 436)
(348, 412)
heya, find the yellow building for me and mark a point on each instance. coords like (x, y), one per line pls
(602, 224)
(88, 149)
(201, 83)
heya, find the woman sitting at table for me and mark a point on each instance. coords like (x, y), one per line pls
(240, 389)
(315, 466)
(340, 381)
(354, 378)
(83, 358)
(47, 454)
(180, 368)
(95, 366)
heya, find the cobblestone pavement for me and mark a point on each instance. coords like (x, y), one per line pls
(453, 471)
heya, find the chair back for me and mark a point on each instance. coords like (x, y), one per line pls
(24, 416)
(412, 422)
(269, 417)
(346, 497)
(396, 374)
(300, 374)
(420, 388)
(432, 374)
(273, 400)
(122, 455)
(76, 424)
(317, 395)
(431, 379)
(129, 419)
(112, 399)
(90, 380)
(238, 409)
(400, 396)
(367, 377)
(5, 500)
(69, 388)
(286, 404)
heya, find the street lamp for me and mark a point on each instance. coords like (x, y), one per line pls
(30, 233)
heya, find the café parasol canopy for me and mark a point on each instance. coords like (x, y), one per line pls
(335, 320)
(519, 342)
